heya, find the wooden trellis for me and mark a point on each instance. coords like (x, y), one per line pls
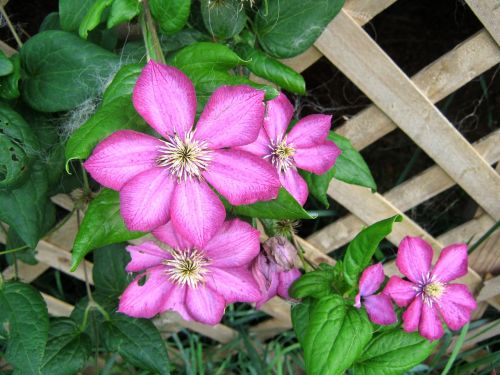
(400, 102)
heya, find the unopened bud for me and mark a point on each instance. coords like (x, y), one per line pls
(282, 252)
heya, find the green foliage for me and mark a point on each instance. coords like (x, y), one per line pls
(123, 83)
(122, 11)
(110, 277)
(287, 29)
(300, 319)
(171, 15)
(93, 17)
(6, 66)
(25, 314)
(223, 19)
(102, 225)
(9, 84)
(72, 12)
(323, 282)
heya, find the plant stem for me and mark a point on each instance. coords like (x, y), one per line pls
(456, 349)
(86, 185)
(484, 237)
(11, 26)
(1, 281)
(300, 251)
(151, 40)
(14, 250)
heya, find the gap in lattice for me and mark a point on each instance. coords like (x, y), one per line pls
(60, 285)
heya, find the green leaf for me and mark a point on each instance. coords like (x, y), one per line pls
(24, 312)
(123, 83)
(68, 349)
(283, 207)
(63, 70)
(116, 115)
(392, 353)
(6, 66)
(300, 319)
(287, 29)
(223, 19)
(268, 68)
(171, 15)
(361, 249)
(93, 17)
(9, 85)
(50, 22)
(72, 12)
(109, 272)
(316, 284)
(122, 11)
(102, 225)
(350, 166)
(318, 184)
(335, 337)
(138, 341)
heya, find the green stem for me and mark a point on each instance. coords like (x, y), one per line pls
(300, 251)
(456, 349)
(1, 281)
(484, 237)
(151, 40)
(86, 185)
(14, 250)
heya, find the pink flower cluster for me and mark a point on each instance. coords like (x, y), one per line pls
(428, 294)
(169, 184)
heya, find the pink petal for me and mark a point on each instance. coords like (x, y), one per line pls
(317, 159)
(235, 245)
(293, 182)
(121, 156)
(310, 131)
(452, 263)
(456, 305)
(167, 233)
(232, 117)
(380, 310)
(165, 97)
(241, 177)
(145, 301)
(401, 291)
(205, 305)
(286, 279)
(266, 275)
(176, 301)
(279, 113)
(371, 279)
(234, 284)
(145, 199)
(259, 147)
(145, 255)
(430, 326)
(414, 258)
(411, 317)
(197, 212)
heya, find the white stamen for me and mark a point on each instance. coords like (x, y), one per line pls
(188, 267)
(281, 155)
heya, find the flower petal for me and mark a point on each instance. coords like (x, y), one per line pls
(121, 156)
(145, 301)
(430, 326)
(293, 182)
(146, 255)
(235, 245)
(145, 199)
(241, 177)
(165, 97)
(310, 131)
(401, 291)
(452, 263)
(286, 279)
(234, 284)
(205, 305)
(317, 159)
(197, 213)
(279, 112)
(414, 258)
(456, 305)
(371, 279)
(260, 147)
(411, 317)
(232, 117)
(380, 309)
(176, 301)
(167, 233)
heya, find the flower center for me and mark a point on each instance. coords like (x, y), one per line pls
(281, 155)
(185, 158)
(432, 292)
(187, 267)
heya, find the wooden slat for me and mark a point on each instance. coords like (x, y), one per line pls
(490, 289)
(57, 307)
(478, 334)
(488, 12)
(352, 50)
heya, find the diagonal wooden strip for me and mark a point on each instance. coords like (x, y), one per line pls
(57, 307)
(405, 196)
(348, 47)
(488, 12)
(491, 289)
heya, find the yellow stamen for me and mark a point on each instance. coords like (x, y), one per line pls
(187, 267)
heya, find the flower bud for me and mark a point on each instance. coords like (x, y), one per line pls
(282, 252)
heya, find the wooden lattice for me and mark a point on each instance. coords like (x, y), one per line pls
(398, 102)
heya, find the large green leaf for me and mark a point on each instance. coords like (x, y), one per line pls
(335, 337)
(361, 249)
(171, 15)
(138, 341)
(315, 284)
(123, 11)
(93, 17)
(102, 225)
(68, 349)
(71, 13)
(223, 19)
(392, 353)
(288, 28)
(63, 70)
(300, 319)
(109, 273)
(123, 83)
(24, 311)
(283, 207)
(9, 85)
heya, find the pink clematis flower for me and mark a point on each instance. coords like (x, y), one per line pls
(198, 283)
(378, 306)
(162, 179)
(304, 147)
(428, 293)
